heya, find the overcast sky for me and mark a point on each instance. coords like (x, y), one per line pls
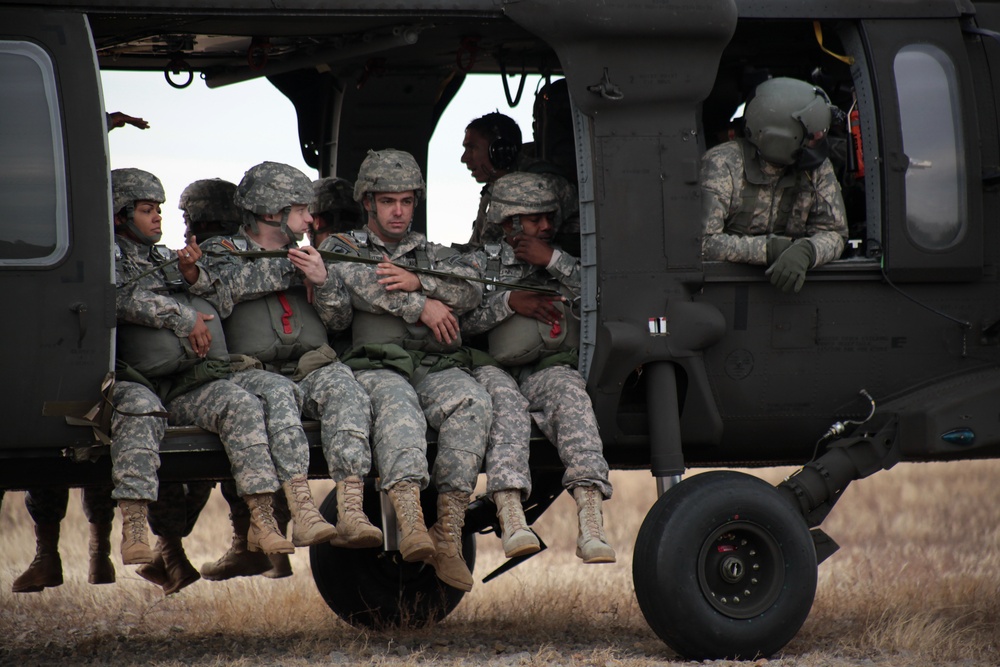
(200, 133)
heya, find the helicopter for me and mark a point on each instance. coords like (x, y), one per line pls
(888, 354)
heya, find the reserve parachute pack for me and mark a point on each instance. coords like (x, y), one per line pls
(160, 352)
(521, 340)
(379, 328)
(276, 328)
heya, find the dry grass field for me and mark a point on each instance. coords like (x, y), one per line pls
(914, 584)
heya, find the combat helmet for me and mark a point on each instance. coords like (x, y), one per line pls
(210, 202)
(389, 170)
(523, 193)
(782, 117)
(130, 185)
(334, 200)
(270, 188)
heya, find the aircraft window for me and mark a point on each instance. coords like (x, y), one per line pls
(34, 228)
(927, 88)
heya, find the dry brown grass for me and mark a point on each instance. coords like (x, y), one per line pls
(914, 584)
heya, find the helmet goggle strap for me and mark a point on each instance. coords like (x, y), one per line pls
(130, 225)
(283, 225)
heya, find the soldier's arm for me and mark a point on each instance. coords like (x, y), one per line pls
(139, 305)
(491, 311)
(232, 279)
(461, 295)
(827, 223)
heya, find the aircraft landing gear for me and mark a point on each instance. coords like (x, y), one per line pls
(724, 567)
(374, 588)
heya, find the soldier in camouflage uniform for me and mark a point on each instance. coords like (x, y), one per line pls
(209, 211)
(47, 507)
(773, 198)
(152, 295)
(492, 149)
(406, 355)
(274, 199)
(533, 337)
(334, 210)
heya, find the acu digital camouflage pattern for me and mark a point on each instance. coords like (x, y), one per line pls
(130, 185)
(389, 170)
(219, 406)
(208, 204)
(47, 504)
(567, 214)
(270, 187)
(135, 441)
(522, 193)
(330, 393)
(237, 416)
(555, 397)
(816, 210)
(449, 401)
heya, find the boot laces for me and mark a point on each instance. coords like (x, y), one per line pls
(452, 520)
(307, 512)
(265, 514)
(407, 506)
(590, 514)
(511, 519)
(353, 496)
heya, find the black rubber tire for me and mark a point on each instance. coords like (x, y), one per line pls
(703, 546)
(373, 588)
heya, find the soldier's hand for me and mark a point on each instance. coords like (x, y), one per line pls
(532, 250)
(788, 273)
(440, 320)
(537, 306)
(201, 337)
(308, 260)
(186, 259)
(396, 277)
(119, 119)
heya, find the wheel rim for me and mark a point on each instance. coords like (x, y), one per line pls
(741, 570)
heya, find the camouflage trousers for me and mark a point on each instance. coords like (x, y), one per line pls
(451, 402)
(47, 504)
(238, 417)
(556, 399)
(334, 397)
(135, 441)
(282, 401)
(177, 508)
(238, 506)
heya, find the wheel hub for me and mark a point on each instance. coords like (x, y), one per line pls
(741, 569)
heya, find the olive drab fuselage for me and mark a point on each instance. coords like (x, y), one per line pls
(890, 352)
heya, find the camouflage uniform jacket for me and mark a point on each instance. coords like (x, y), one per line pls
(148, 301)
(562, 273)
(746, 201)
(233, 279)
(368, 295)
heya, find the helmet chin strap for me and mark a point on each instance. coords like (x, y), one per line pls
(283, 226)
(130, 225)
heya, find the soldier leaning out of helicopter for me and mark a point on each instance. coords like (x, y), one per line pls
(530, 334)
(773, 198)
(269, 317)
(156, 310)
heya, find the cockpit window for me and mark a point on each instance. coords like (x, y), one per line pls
(33, 225)
(927, 89)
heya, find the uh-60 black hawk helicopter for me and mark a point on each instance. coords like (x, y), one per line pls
(888, 354)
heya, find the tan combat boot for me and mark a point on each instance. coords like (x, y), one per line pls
(135, 536)
(178, 569)
(517, 538)
(263, 534)
(448, 561)
(354, 530)
(154, 572)
(415, 544)
(238, 561)
(592, 546)
(101, 569)
(309, 528)
(45, 570)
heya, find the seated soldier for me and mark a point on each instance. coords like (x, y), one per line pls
(536, 338)
(157, 313)
(269, 317)
(773, 198)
